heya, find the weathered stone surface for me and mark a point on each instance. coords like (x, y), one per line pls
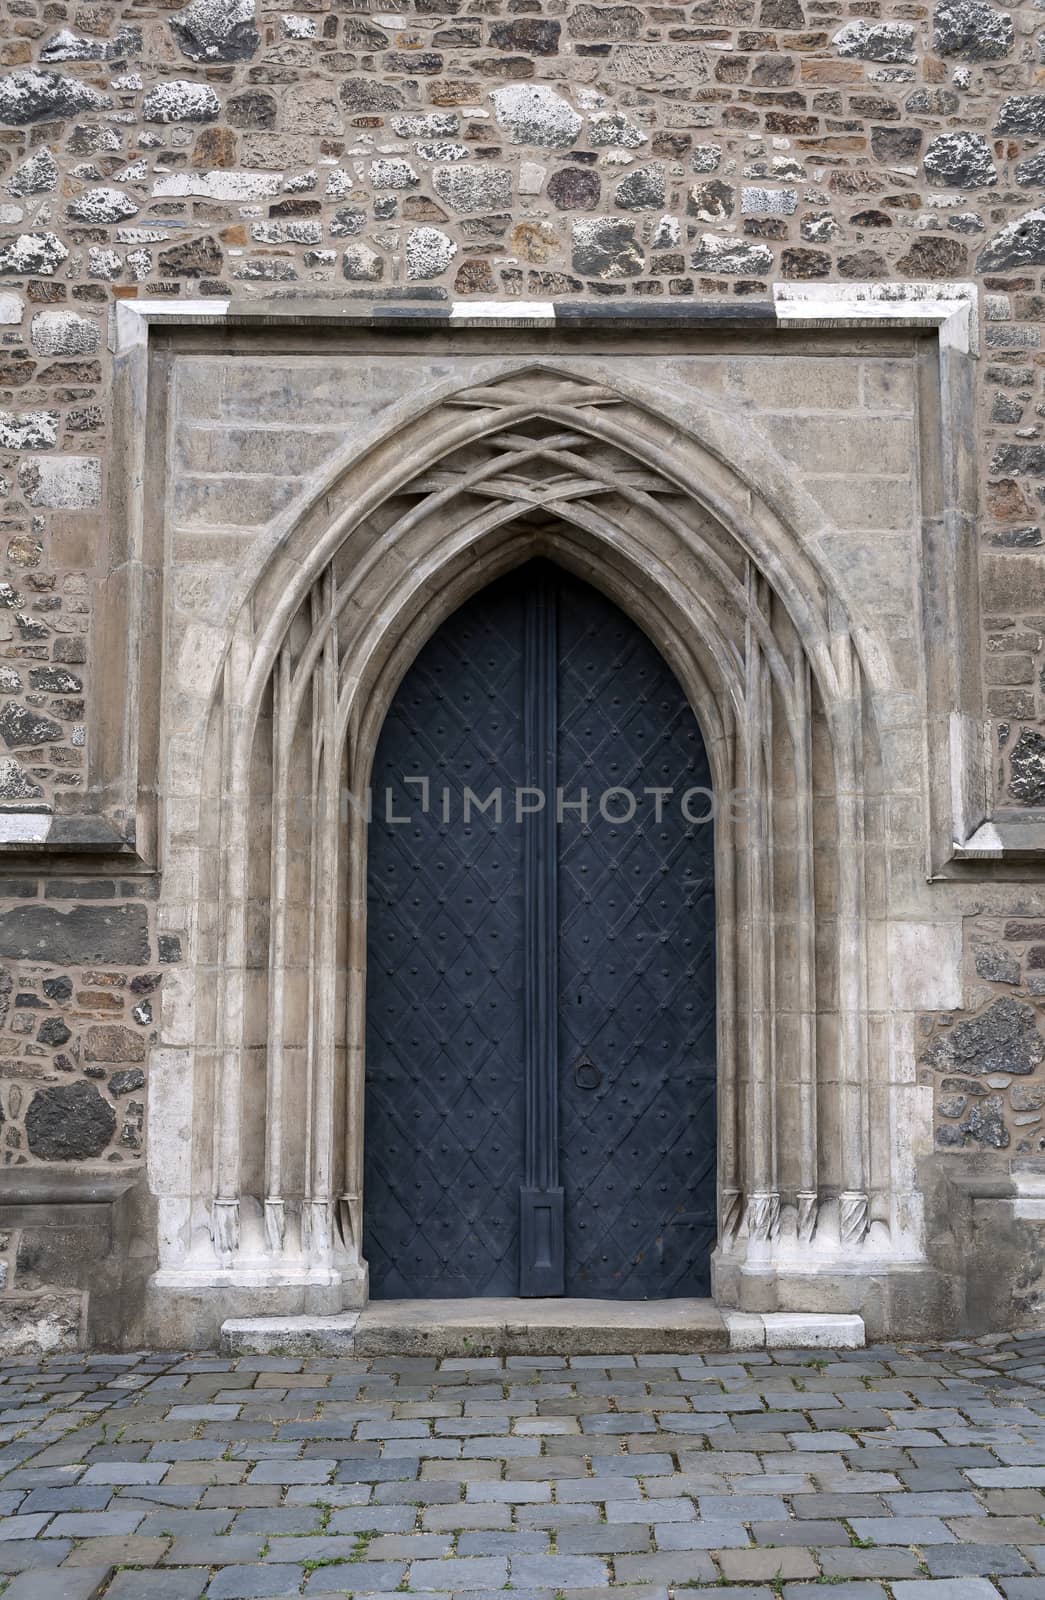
(896, 145)
(28, 430)
(128, 1081)
(38, 174)
(1027, 768)
(985, 1124)
(115, 935)
(612, 128)
(712, 201)
(662, 67)
(216, 30)
(360, 264)
(53, 1031)
(972, 30)
(997, 964)
(21, 728)
(110, 1041)
(102, 205)
(575, 189)
(68, 46)
(194, 258)
(15, 784)
(30, 96)
(62, 482)
(1031, 172)
(64, 333)
(473, 188)
(538, 36)
(70, 1122)
(876, 41)
(933, 256)
(644, 189)
(177, 100)
(719, 254)
(960, 160)
(1004, 1038)
(38, 253)
(428, 252)
(604, 247)
(1022, 113)
(40, 1324)
(590, 22)
(532, 114)
(1019, 244)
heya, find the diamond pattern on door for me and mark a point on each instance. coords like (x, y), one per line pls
(447, 978)
(444, 1092)
(636, 968)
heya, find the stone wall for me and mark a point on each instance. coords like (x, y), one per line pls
(670, 153)
(688, 151)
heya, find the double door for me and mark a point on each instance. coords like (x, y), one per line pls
(540, 1077)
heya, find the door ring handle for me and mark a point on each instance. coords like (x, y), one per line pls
(586, 1074)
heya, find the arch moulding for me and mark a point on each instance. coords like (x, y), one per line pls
(678, 507)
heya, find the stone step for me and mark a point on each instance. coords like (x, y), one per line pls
(499, 1327)
(483, 1327)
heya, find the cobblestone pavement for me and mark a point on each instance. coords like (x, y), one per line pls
(911, 1473)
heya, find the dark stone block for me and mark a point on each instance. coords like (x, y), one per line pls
(53, 1031)
(367, 94)
(896, 146)
(32, 96)
(215, 30)
(1004, 1038)
(21, 728)
(254, 108)
(1027, 768)
(113, 935)
(127, 1081)
(1019, 244)
(70, 1122)
(642, 190)
(934, 257)
(798, 263)
(1022, 113)
(972, 30)
(52, 680)
(192, 258)
(960, 160)
(781, 14)
(537, 35)
(574, 189)
(932, 102)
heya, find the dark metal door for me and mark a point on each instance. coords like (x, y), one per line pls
(540, 1112)
(636, 966)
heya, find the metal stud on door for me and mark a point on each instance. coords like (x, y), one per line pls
(540, 1080)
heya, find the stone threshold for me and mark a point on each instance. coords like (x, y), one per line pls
(516, 1327)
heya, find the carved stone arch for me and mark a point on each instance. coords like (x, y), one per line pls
(638, 500)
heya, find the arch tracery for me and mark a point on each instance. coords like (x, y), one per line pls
(543, 462)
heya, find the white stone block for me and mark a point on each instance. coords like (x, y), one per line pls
(289, 1336)
(925, 961)
(814, 1330)
(746, 1330)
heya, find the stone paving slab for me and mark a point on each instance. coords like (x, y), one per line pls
(648, 1476)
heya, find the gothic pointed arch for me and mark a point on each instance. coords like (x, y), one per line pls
(695, 531)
